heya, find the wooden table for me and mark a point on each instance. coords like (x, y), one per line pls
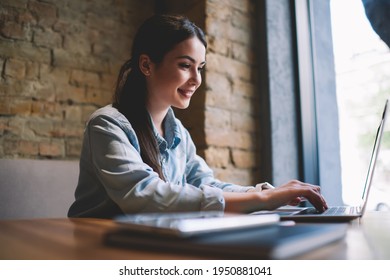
(62, 238)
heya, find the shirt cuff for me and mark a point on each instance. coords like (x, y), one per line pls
(212, 199)
(263, 186)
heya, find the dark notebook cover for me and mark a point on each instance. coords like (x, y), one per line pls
(270, 242)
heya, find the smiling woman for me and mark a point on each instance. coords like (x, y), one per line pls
(138, 157)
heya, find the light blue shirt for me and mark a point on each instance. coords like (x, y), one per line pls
(113, 178)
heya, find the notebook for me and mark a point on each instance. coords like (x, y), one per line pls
(337, 213)
(219, 235)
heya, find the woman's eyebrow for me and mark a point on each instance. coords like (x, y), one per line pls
(190, 58)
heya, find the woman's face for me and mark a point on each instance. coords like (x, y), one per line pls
(173, 81)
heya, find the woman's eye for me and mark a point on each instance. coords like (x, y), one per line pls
(185, 65)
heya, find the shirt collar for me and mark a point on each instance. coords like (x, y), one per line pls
(172, 133)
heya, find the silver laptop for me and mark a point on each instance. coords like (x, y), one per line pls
(188, 224)
(337, 213)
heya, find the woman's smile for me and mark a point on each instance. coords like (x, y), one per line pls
(186, 93)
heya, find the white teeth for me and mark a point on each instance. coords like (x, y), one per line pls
(185, 92)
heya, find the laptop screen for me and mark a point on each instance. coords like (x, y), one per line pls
(374, 156)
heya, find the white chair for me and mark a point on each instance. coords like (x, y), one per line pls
(36, 188)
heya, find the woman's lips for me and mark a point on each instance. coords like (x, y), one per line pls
(186, 93)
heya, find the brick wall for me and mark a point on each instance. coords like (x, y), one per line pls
(59, 60)
(231, 105)
(58, 63)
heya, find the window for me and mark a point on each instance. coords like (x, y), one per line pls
(312, 138)
(362, 64)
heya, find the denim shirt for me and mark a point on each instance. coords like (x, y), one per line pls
(114, 179)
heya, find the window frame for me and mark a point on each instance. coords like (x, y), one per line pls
(313, 154)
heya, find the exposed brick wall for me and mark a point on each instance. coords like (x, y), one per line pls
(231, 105)
(59, 60)
(58, 63)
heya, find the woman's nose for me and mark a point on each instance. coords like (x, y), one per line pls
(196, 78)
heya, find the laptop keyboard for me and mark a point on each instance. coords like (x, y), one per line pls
(335, 210)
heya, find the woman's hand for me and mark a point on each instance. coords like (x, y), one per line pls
(291, 193)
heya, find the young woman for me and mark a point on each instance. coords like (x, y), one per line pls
(137, 157)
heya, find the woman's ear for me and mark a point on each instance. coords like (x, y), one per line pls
(144, 64)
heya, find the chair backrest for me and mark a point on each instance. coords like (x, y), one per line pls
(36, 188)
